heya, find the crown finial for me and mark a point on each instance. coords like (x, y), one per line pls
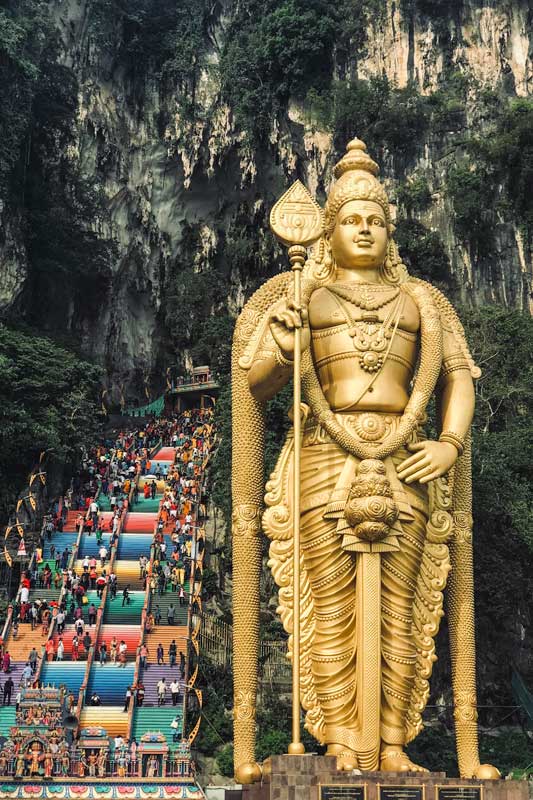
(356, 157)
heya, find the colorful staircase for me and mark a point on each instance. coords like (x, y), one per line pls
(156, 719)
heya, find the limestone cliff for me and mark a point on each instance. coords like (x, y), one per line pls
(187, 192)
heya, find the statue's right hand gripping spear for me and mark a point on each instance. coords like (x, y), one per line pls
(298, 221)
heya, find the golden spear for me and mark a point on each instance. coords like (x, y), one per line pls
(297, 220)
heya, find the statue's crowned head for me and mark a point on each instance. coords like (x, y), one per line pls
(358, 224)
(356, 180)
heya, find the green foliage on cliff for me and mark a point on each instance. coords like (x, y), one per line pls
(48, 401)
(423, 252)
(161, 37)
(502, 476)
(277, 50)
(24, 31)
(508, 154)
(389, 118)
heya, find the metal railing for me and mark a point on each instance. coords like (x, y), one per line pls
(216, 642)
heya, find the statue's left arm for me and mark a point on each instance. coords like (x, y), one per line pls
(456, 408)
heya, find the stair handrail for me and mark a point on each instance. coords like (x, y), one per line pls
(9, 616)
(99, 616)
(62, 593)
(70, 565)
(146, 604)
(194, 597)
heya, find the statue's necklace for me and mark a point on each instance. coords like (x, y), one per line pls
(371, 338)
(425, 382)
(367, 296)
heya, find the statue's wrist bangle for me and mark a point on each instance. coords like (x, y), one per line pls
(452, 438)
(281, 360)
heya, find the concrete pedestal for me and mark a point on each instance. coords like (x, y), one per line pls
(312, 777)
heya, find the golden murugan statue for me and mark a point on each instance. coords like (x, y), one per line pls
(385, 513)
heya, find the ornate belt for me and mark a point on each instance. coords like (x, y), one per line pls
(368, 426)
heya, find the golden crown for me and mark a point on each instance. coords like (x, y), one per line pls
(356, 180)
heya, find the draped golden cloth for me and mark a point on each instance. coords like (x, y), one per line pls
(414, 565)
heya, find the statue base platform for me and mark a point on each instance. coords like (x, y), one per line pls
(311, 777)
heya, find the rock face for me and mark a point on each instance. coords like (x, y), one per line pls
(191, 194)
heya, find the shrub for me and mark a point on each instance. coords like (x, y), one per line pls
(423, 252)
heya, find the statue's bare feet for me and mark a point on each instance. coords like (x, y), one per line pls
(393, 759)
(346, 758)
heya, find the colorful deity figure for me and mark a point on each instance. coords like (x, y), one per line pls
(48, 764)
(102, 763)
(34, 758)
(384, 510)
(92, 761)
(65, 763)
(20, 765)
(152, 767)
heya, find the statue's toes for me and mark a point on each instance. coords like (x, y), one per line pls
(249, 772)
(487, 772)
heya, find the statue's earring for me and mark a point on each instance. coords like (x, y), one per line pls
(322, 263)
(393, 268)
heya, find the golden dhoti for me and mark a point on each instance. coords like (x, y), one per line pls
(332, 574)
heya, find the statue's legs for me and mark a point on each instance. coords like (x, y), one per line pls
(331, 573)
(332, 576)
(399, 572)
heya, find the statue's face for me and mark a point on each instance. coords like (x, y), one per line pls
(359, 239)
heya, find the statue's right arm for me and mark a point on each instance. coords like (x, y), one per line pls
(273, 363)
(266, 377)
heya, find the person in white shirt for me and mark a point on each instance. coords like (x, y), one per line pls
(60, 650)
(161, 692)
(175, 691)
(103, 554)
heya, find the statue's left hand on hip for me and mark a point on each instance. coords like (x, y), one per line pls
(430, 460)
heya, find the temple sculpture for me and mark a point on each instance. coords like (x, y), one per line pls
(384, 512)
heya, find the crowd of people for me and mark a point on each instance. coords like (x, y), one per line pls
(113, 470)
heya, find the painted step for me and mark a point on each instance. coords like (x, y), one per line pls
(70, 522)
(93, 598)
(133, 545)
(153, 674)
(7, 717)
(160, 483)
(140, 522)
(164, 636)
(156, 720)
(165, 454)
(89, 547)
(103, 502)
(20, 647)
(149, 505)
(60, 541)
(112, 719)
(67, 636)
(110, 682)
(128, 614)
(127, 572)
(45, 594)
(70, 674)
(15, 673)
(129, 633)
(164, 601)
